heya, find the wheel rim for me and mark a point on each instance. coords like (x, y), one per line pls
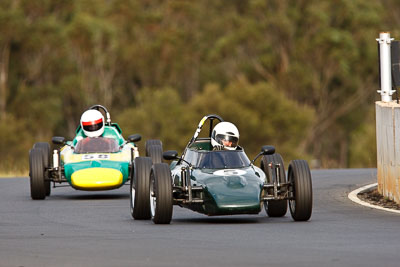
(153, 202)
(292, 202)
(132, 198)
(292, 205)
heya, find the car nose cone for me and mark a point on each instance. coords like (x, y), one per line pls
(96, 178)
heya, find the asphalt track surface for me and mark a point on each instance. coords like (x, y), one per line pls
(76, 228)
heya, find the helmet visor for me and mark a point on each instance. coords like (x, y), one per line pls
(227, 140)
(92, 126)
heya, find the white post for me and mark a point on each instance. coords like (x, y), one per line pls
(386, 70)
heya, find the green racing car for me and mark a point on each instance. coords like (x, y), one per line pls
(223, 182)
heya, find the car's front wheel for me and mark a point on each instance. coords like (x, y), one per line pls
(45, 147)
(300, 204)
(161, 194)
(36, 174)
(140, 188)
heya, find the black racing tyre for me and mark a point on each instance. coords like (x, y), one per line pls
(36, 174)
(301, 186)
(155, 153)
(140, 189)
(274, 208)
(154, 149)
(46, 159)
(161, 194)
(152, 142)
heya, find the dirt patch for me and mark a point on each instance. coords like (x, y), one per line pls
(373, 197)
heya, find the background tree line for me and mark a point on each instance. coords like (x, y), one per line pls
(299, 74)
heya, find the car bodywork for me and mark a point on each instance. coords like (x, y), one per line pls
(221, 182)
(98, 163)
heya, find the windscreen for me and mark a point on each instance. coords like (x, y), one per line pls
(96, 145)
(224, 159)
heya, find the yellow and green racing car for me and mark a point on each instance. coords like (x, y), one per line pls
(87, 163)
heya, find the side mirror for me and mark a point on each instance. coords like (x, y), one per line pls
(170, 155)
(265, 150)
(268, 150)
(134, 138)
(58, 140)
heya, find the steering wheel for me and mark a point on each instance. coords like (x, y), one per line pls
(98, 107)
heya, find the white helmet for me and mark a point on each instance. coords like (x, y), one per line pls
(92, 123)
(225, 134)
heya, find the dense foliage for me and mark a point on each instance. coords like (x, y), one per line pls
(299, 74)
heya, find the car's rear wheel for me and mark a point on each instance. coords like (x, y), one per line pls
(45, 147)
(154, 150)
(301, 187)
(140, 189)
(36, 174)
(152, 142)
(161, 194)
(274, 208)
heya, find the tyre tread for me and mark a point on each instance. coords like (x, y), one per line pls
(303, 190)
(141, 181)
(163, 190)
(36, 173)
(154, 149)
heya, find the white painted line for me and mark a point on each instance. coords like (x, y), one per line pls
(353, 197)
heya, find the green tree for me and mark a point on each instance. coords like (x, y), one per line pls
(11, 26)
(93, 42)
(313, 64)
(262, 114)
(257, 110)
(320, 53)
(159, 114)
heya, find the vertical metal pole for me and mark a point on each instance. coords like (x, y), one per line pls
(385, 67)
(189, 184)
(183, 177)
(275, 178)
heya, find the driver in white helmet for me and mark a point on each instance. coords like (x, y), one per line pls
(225, 136)
(92, 123)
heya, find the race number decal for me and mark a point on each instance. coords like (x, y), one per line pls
(95, 156)
(229, 172)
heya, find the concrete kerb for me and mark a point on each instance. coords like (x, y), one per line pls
(353, 197)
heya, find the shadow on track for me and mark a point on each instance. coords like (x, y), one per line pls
(230, 220)
(93, 196)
